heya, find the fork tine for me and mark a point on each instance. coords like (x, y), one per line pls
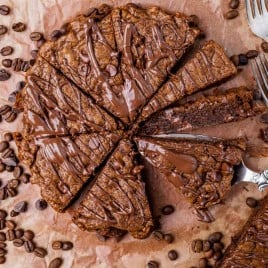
(263, 7)
(249, 11)
(256, 8)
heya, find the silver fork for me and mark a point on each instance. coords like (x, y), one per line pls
(257, 14)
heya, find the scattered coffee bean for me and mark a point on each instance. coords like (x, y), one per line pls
(67, 245)
(217, 255)
(3, 194)
(36, 36)
(193, 21)
(3, 146)
(158, 235)
(3, 245)
(264, 46)
(3, 252)
(28, 235)
(3, 237)
(173, 255)
(10, 234)
(4, 75)
(264, 118)
(9, 168)
(167, 210)
(206, 245)
(3, 29)
(13, 183)
(8, 152)
(25, 66)
(40, 42)
(169, 238)
(19, 233)
(55, 263)
(251, 202)
(243, 60)
(218, 246)
(34, 53)
(10, 225)
(11, 192)
(215, 237)
(3, 214)
(209, 254)
(252, 54)
(234, 4)
(2, 260)
(55, 35)
(231, 14)
(18, 242)
(2, 167)
(4, 10)
(17, 172)
(5, 109)
(8, 137)
(25, 178)
(197, 245)
(11, 116)
(7, 63)
(2, 224)
(21, 206)
(16, 64)
(14, 213)
(29, 246)
(6, 51)
(41, 204)
(40, 252)
(56, 245)
(152, 264)
(203, 262)
(19, 27)
(32, 62)
(20, 85)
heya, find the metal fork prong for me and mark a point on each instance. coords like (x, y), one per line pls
(256, 7)
(263, 7)
(264, 63)
(249, 11)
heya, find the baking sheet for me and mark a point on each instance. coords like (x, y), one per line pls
(235, 36)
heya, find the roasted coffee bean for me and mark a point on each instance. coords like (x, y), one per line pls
(6, 51)
(218, 246)
(3, 193)
(21, 207)
(264, 46)
(25, 178)
(169, 238)
(14, 213)
(10, 235)
(9, 168)
(2, 260)
(252, 54)
(4, 75)
(206, 245)
(28, 235)
(152, 264)
(19, 233)
(231, 14)
(10, 225)
(56, 34)
(34, 53)
(193, 21)
(215, 237)
(197, 245)
(7, 63)
(3, 29)
(3, 237)
(16, 65)
(32, 62)
(4, 10)
(158, 235)
(19, 27)
(3, 146)
(203, 262)
(167, 210)
(2, 167)
(13, 183)
(2, 224)
(20, 85)
(36, 36)
(18, 242)
(41, 204)
(91, 11)
(251, 202)
(56, 245)
(8, 152)
(209, 254)
(67, 245)
(217, 255)
(11, 116)
(264, 118)
(55, 263)
(25, 66)
(11, 192)
(5, 109)
(243, 60)
(17, 172)
(3, 245)
(8, 137)
(173, 255)
(40, 252)
(29, 246)
(3, 252)
(234, 4)
(40, 42)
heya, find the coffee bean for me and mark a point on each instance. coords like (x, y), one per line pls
(209, 254)
(9, 168)
(243, 60)
(19, 233)
(67, 245)
(2, 167)
(28, 235)
(11, 192)
(11, 116)
(56, 245)
(218, 246)
(13, 183)
(18, 242)
(4, 75)
(264, 46)
(90, 11)
(7, 152)
(14, 213)
(2, 260)
(234, 4)
(203, 262)
(3, 252)
(10, 235)
(55, 35)
(167, 210)
(64, 28)
(4, 10)
(3, 245)
(169, 238)
(173, 255)
(32, 62)
(152, 264)
(3, 29)
(197, 245)
(40, 252)
(16, 65)
(158, 235)
(5, 109)
(231, 14)
(29, 246)
(41, 204)
(25, 66)
(206, 245)
(20, 85)
(25, 178)
(215, 237)
(252, 54)
(3, 237)
(8, 137)
(40, 42)
(251, 202)
(7, 63)
(17, 172)
(36, 36)
(19, 27)
(10, 225)
(6, 51)
(3, 146)
(2, 224)
(217, 255)
(3, 194)
(55, 263)
(34, 53)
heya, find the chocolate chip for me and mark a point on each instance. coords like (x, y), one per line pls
(169, 238)
(2, 224)
(10, 235)
(203, 262)
(5, 109)
(173, 255)
(231, 14)
(8, 137)
(217, 256)
(4, 10)
(2, 167)
(215, 237)
(243, 60)
(10, 225)
(14, 213)
(3, 245)
(6, 51)
(36, 36)
(25, 178)
(19, 27)
(11, 116)
(252, 54)
(7, 63)
(218, 246)
(152, 264)
(56, 245)
(55, 263)
(209, 254)
(16, 65)
(67, 245)
(158, 235)
(3, 146)
(4, 75)
(17, 172)
(40, 252)
(252, 202)
(18, 242)
(264, 118)
(34, 53)
(167, 210)
(206, 245)
(19, 233)
(3, 237)
(41, 204)
(29, 246)
(2, 260)
(56, 34)
(234, 4)
(264, 46)
(3, 29)
(21, 207)
(197, 245)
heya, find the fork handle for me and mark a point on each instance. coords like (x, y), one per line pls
(261, 179)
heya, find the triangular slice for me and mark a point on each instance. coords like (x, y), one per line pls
(221, 107)
(62, 165)
(207, 67)
(250, 247)
(117, 198)
(201, 169)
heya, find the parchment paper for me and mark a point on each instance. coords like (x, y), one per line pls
(235, 36)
